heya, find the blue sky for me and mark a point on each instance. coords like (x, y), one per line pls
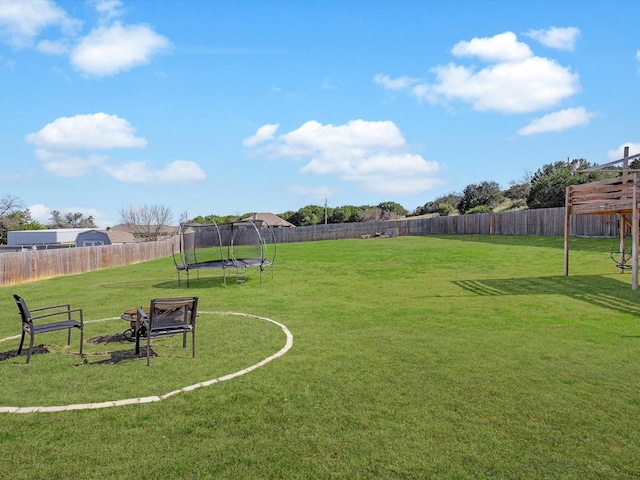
(230, 107)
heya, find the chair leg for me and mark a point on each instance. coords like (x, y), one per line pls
(148, 349)
(81, 339)
(21, 343)
(193, 344)
(137, 334)
(30, 347)
(68, 336)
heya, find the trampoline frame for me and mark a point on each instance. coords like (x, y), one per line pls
(224, 243)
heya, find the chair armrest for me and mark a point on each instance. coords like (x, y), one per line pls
(141, 319)
(67, 312)
(40, 309)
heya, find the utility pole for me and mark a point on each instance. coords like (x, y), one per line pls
(325, 211)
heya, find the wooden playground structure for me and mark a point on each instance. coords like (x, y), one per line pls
(618, 195)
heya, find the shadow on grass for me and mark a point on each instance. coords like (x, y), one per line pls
(114, 357)
(202, 282)
(596, 289)
(37, 350)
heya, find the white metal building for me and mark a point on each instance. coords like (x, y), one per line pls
(64, 236)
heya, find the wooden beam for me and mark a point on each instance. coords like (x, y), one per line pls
(622, 225)
(626, 157)
(634, 235)
(567, 225)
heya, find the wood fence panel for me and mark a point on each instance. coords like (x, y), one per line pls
(32, 265)
(540, 222)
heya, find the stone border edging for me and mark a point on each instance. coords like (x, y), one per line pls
(158, 398)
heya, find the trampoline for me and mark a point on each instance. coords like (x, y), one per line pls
(229, 247)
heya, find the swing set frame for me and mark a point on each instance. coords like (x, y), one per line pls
(618, 195)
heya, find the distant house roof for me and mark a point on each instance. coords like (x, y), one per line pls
(119, 236)
(270, 219)
(104, 237)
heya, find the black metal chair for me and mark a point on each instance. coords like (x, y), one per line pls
(33, 328)
(167, 317)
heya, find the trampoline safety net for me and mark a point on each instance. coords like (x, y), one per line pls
(233, 246)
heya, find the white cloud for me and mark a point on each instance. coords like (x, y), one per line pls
(180, 171)
(107, 9)
(519, 82)
(21, 21)
(110, 50)
(313, 193)
(97, 131)
(389, 83)
(356, 137)
(263, 134)
(58, 47)
(63, 164)
(62, 141)
(42, 214)
(371, 154)
(556, 37)
(503, 47)
(558, 121)
(618, 153)
(329, 84)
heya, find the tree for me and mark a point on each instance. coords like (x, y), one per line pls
(286, 215)
(13, 216)
(147, 222)
(71, 220)
(444, 205)
(549, 184)
(445, 209)
(216, 219)
(345, 214)
(391, 210)
(309, 215)
(479, 209)
(479, 194)
(371, 214)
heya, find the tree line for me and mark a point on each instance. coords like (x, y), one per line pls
(545, 188)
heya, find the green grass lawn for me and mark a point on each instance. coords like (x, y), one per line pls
(413, 357)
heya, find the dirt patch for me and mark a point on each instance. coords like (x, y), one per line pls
(104, 339)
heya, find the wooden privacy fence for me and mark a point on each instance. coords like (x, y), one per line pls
(28, 266)
(540, 222)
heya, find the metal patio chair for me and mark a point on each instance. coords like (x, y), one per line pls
(32, 328)
(167, 317)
